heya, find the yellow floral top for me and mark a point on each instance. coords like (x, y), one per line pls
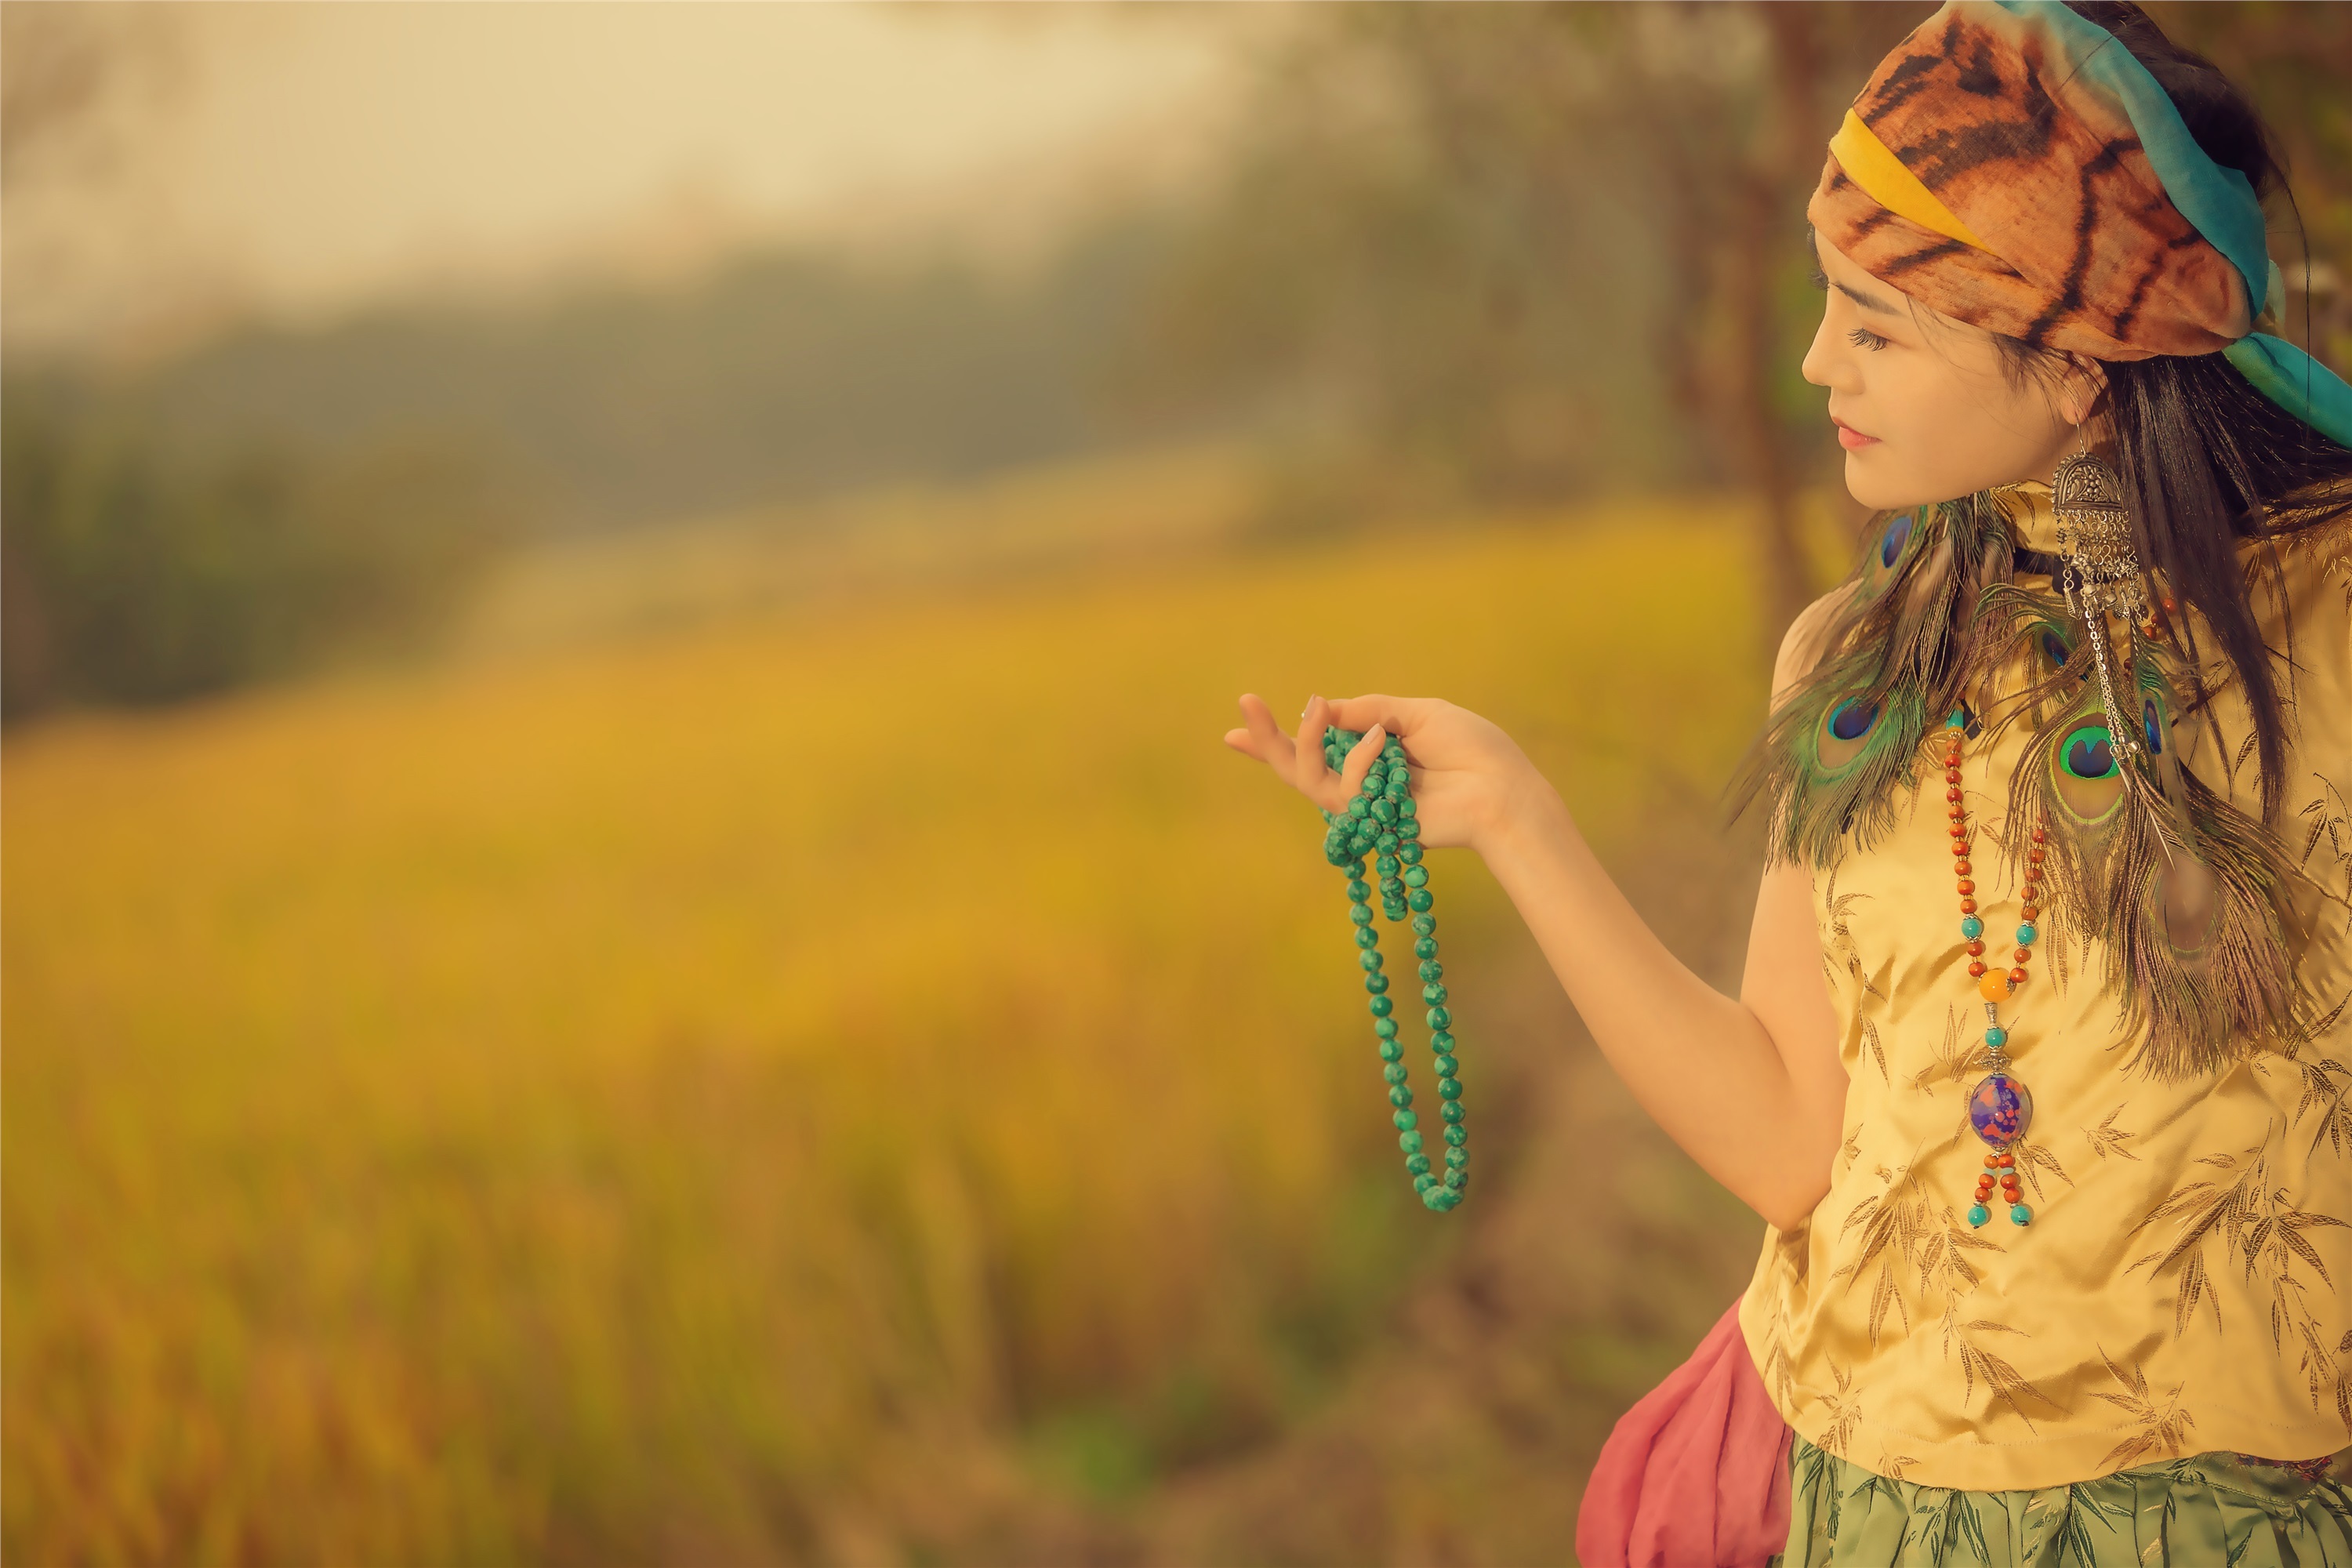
(2186, 1281)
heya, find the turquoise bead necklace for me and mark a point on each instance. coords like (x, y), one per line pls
(1380, 821)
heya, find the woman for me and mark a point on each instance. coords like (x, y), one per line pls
(2058, 1165)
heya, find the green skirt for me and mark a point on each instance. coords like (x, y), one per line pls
(2218, 1509)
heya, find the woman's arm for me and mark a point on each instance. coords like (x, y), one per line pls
(1752, 1088)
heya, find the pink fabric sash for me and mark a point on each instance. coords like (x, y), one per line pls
(1695, 1476)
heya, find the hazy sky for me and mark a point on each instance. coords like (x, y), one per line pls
(299, 158)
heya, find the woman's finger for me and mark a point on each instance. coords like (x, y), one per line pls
(1308, 771)
(1299, 763)
(1399, 716)
(1360, 757)
(1261, 737)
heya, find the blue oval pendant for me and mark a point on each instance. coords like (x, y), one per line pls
(2000, 1110)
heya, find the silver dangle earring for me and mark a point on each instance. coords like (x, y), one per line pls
(2102, 574)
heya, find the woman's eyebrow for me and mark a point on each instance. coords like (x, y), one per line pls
(1868, 301)
(1820, 280)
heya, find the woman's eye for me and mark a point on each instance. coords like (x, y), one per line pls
(1862, 338)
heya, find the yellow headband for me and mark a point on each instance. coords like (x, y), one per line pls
(1883, 177)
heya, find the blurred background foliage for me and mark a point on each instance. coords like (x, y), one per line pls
(718, 998)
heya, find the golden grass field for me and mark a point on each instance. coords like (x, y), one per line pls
(685, 1095)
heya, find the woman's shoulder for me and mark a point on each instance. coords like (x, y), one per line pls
(2299, 587)
(2302, 597)
(2313, 580)
(1807, 640)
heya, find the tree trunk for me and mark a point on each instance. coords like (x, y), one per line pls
(1784, 586)
(1764, 223)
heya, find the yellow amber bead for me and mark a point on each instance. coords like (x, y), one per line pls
(1994, 987)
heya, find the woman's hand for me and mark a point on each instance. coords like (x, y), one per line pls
(1753, 1088)
(1468, 777)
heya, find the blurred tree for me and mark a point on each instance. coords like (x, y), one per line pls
(1514, 251)
(2295, 60)
(781, 375)
(137, 574)
(1734, 157)
(59, 65)
(1422, 266)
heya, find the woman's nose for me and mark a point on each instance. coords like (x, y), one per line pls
(1823, 365)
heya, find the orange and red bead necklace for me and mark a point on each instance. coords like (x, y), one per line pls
(2000, 1106)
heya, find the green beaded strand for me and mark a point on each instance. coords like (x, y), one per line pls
(1380, 821)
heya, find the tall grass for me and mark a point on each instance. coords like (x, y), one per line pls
(711, 1097)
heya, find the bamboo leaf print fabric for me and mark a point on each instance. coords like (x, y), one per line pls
(2215, 1510)
(2184, 1288)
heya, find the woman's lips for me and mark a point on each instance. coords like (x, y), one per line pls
(1851, 439)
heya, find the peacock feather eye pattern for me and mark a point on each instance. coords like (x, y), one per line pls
(1844, 746)
(1898, 534)
(2055, 648)
(1846, 731)
(2085, 773)
(1851, 719)
(1890, 554)
(2088, 751)
(2158, 760)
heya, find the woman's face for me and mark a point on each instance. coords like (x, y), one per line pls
(1924, 408)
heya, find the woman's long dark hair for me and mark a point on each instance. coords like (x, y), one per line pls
(2207, 461)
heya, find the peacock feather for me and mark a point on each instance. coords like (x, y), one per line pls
(2195, 900)
(2057, 656)
(1834, 753)
(1843, 745)
(2198, 925)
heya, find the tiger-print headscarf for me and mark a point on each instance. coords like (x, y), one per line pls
(2011, 165)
